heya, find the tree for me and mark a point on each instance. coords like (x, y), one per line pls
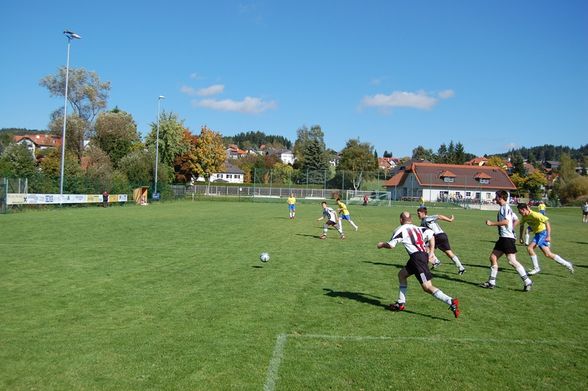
(87, 94)
(116, 134)
(567, 169)
(574, 189)
(99, 172)
(171, 138)
(534, 183)
(459, 156)
(138, 166)
(496, 161)
(210, 154)
(17, 161)
(420, 153)
(185, 164)
(518, 164)
(310, 149)
(357, 158)
(75, 130)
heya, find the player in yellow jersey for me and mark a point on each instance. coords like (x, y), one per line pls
(292, 205)
(344, 214)
(541, 207)
(541, 228)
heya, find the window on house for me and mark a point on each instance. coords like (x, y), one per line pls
(468, 193)
(449, 179)
(484, 181)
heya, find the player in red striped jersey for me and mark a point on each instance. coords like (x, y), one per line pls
(411, 237)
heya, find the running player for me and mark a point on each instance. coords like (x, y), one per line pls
(441, 240)
(344, 214)
(506, 220)
(412, 238)
(541, 228)
(331, 221)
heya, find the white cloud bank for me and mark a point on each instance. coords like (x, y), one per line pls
(214, 89)
(249, 105)
(416, 100)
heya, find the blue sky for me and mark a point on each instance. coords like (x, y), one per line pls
(491, 74)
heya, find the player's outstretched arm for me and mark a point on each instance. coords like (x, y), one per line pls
(445, 218)
(384, 245)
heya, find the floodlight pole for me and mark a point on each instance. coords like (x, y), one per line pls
(70, 35)
(157, 143)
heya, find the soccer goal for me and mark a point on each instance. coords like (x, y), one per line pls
(371, 197)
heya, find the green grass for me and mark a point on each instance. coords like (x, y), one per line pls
(173, 297)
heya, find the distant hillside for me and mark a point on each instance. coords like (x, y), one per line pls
(256, 139)
(21, 131)
(549, 152)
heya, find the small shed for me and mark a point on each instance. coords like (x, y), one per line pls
(140, 195)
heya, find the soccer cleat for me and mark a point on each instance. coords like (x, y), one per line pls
(571, 268)
(323, 236)
(454, 307)
(461, 271)
(527, 288)
(534, 271)
(396, 307)
(436, 264)
(487, 285)
(342, 236)
(356, 228)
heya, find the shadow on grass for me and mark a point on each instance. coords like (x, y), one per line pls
(372, 300)
(398, 266)
(310, 236)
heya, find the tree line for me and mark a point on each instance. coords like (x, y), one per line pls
(118, 159)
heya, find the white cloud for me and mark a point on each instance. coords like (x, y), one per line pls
(188, 90)
(211, 90)
(249, 105)
(195, 76)
(416, 100)
(446, 94)
(207, 91)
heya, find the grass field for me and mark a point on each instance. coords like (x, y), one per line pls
(173, 297)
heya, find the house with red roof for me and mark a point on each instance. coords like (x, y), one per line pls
(36, 142)
(447, 182)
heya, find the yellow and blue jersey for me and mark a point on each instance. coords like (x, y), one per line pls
(536, 221)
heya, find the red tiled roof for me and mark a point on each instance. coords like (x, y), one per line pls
(482, 175)
(429, 174)
(446, 173)
(40, 140)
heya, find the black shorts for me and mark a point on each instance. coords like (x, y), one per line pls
(418, 264)
(506, 245)
(442, 242)
(331, 223)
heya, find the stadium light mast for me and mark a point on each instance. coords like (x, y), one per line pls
(157, 146)
(69, 35)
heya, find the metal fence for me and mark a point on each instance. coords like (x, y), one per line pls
(3, 191)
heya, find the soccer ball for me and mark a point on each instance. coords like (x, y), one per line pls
(264, 257)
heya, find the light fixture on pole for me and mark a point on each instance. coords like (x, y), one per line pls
(70, 35)
(155, 194)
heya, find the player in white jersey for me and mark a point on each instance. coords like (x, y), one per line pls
(331, 220)
(441, 240)
(506, 220)
(411, 237)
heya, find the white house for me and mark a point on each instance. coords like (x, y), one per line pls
(230, 174)
(443, 182)
(36, 142)
(286, 156)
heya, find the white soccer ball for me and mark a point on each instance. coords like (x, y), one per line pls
(264, 257)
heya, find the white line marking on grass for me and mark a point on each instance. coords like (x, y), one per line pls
(278, 354)
(274, 365)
